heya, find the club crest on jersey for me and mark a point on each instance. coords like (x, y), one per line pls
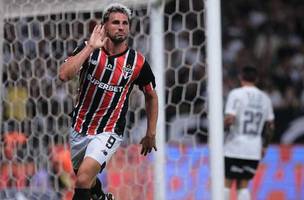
(127, 71)
(109, 67)
(93, 62)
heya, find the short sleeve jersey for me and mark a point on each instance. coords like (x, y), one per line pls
(105, 86)
(251, 108)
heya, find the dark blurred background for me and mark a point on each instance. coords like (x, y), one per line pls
(268, 34)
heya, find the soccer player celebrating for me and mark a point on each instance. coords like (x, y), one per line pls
(249, 123)
(108, 70)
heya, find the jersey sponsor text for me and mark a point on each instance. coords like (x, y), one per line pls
(111, 88)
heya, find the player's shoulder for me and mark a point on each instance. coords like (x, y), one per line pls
(135, 51)
(260, 91)
(79, 47)
(265, 95)
(141, 57)
(138, 53)
(236, 91)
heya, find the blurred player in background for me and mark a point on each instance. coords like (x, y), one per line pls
(108, 70)
(249, 123)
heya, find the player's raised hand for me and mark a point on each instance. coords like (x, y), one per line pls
(98, 37)
(148, 143)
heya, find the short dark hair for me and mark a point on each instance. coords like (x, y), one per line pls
(115, 7)
(249, 73)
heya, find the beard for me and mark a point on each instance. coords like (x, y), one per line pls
(117, 39)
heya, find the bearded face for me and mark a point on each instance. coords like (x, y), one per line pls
(117, 38)
(117, 27)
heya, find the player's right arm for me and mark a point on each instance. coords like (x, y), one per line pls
(229, 119)
(71, 67)
(231, 109)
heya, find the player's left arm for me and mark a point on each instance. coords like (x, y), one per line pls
(146, 83)
(268, 129)
(148, 142)
(268, 132)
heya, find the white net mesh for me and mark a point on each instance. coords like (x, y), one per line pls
(17, 8)
(38, 36)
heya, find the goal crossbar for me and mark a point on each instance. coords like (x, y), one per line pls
(17, 8)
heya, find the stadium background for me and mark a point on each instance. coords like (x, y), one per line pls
(36, 105)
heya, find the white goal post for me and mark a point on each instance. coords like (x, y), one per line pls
(215, 98)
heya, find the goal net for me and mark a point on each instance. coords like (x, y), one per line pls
(36, 37)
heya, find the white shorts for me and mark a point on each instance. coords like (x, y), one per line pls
(100, 147)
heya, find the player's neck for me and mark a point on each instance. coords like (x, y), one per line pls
(114, 49)
(247, 84)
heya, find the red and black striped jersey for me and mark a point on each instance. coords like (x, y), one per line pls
(105, 85)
